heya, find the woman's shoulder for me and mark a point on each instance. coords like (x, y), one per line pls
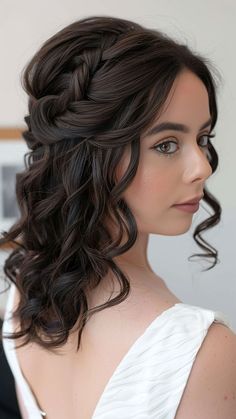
(211, 388)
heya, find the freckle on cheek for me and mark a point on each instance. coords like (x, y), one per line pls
(226, 397)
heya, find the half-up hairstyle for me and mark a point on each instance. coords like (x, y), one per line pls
(92, 88)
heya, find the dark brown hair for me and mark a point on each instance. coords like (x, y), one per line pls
(92, 90)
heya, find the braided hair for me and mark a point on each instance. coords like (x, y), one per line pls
(92, 89)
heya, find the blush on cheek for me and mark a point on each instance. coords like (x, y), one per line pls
(148, 184)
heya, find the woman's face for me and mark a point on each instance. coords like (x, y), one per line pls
(176, 171)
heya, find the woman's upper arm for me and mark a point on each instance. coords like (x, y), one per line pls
(210, 392)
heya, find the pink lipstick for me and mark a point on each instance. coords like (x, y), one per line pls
(188, 207)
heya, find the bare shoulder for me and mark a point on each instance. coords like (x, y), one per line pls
(211, 388)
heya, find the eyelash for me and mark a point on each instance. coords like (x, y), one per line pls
(168, 142)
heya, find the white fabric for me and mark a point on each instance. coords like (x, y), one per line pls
(150, 379)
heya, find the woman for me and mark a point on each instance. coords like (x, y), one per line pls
(119, 129)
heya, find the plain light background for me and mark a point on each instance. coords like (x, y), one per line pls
(209, 28)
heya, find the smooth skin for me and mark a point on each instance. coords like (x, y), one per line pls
(172, 173)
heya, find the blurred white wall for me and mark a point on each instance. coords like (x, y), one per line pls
(209, 28)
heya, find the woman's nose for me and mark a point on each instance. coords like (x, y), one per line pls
(197, 165)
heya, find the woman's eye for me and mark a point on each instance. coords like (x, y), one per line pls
(206, 138)
(168, 147)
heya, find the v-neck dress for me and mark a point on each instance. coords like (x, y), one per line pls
(150, 380)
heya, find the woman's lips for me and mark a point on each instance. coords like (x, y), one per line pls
(188, 207)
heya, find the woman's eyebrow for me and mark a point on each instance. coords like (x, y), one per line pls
(164, 126)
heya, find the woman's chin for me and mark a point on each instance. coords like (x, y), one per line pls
(174, 230)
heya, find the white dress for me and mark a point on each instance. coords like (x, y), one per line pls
(150, 379)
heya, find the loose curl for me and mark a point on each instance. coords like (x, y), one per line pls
(93, 88)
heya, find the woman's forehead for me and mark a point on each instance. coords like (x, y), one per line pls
(187, 104)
